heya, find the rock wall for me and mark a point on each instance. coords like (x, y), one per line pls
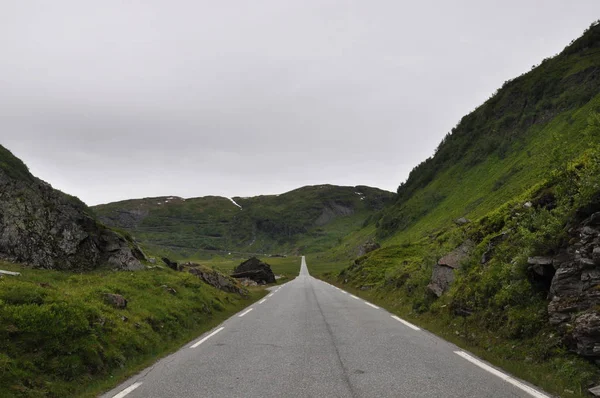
(46, 228)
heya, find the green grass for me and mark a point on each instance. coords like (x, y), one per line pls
(59, 338)
(286, 267)
(308, 219)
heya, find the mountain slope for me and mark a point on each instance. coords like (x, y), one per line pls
(494, 241)
(49, 229)
(308, 219)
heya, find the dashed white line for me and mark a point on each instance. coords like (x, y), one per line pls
(262, 301)
(245, 313)
(531, 391)
(270, 295)
(207, 337)
(410, 325)
(372, 305)
(127, 390)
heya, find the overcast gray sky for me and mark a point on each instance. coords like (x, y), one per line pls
(110, 100)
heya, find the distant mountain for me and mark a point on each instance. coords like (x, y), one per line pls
(46, 228)
(309, 218)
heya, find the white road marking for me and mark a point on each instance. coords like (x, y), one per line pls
(529, 390)
(207, 337)
(354, 297)
(127, 390)
(262, 301)
(410, 325)
(245, 313)
(345, 292)
(372, 305)
(270, 295)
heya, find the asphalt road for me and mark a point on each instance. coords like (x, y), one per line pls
(310, 339)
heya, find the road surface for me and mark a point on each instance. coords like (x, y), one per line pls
(310, 339)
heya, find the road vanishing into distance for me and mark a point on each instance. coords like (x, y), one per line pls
(310, 339)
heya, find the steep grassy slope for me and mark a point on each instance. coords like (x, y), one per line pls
(525, 169)
(307, 219)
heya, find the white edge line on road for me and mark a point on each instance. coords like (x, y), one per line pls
(354, 297)
(270, 295)
(410, 325)
(345, 292)
(245, 313)
(262, 301)
(207, 337)
(127, 390)
(372, 305)
(529, 390)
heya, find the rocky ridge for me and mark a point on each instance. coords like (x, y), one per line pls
(46, 228)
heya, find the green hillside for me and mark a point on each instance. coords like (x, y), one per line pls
(307, 219)
(516, 179)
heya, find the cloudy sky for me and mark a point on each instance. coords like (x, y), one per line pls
(110, 100)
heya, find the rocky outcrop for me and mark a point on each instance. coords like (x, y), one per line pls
(575, 288)
(46, 228)
(443, 272)
(216, 279)
(256, 270)
(368, 248)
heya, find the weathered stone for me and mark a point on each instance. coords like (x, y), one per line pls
(595, 391)
(368, 248)
(443, 272)
(46, 228)
(256, 270)
(217, 280)
(116, 300)
(462, 221)
(575, 289)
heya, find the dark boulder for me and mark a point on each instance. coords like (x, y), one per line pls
(256, 270)
(171, 264)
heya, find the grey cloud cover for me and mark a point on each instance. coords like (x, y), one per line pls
(121, 99)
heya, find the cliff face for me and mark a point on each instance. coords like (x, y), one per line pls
(46, 228)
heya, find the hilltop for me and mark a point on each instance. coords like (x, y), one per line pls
(308, 219)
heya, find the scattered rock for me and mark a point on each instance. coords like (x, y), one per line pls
(527, 205)
(595, 391)
(218, 280)
(368, 248)
(443, 272)
(44, 285)
(116, 300)
(10, 273)
(256, 270)
(247, 282)
(462, 221)
(171, 264)
(169, 289)
(152, 260)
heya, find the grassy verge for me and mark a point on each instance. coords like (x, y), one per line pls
(59, 337)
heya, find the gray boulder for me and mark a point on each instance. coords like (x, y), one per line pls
(217, 279)
(443, 272)
(46, 228)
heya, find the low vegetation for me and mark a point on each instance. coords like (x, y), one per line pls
(60, 337)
